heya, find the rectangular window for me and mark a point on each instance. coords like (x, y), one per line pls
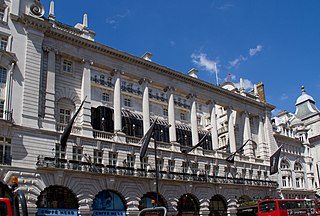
(160, 164)
(77, 153)
(109, 82)
(97, 156)
(144, 163)
(3, 75)
(2, 14)
(171, 165)
(165, 112)
(1, 108)
(67, 66)
(131, 160)
(105, 97)
(102, 79)
(297, 182)
(284, 181)
(5, 151)
(3, 43)
(113, 156)
(59, 152)
(127, 102)
(182, 116)
(64, 116)
(198, 120)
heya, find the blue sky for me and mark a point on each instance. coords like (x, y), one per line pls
(270, 41)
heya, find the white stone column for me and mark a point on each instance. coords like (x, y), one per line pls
(8, 92)
(261, 139)
(213, 122)
(117, 100)
(86, 94)
(31, 93)
(171, 115)
(49, 117)
(145, 105)
(248, 150)
(193, 120)
(232, 137)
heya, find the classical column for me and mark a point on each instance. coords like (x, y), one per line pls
(248, 150)
(50, 89)
(261, 138)
(213, 123)
(171, 114)
(86, 94)
(145, 104)
(232, 137)
(31, 94)
(8, 92)
(193, 119)
(117, 100)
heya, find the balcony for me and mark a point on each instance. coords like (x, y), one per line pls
(179, 175)
(75, 129)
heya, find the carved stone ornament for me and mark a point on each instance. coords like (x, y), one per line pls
(36, 9)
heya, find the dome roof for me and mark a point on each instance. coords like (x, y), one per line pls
(304, 97)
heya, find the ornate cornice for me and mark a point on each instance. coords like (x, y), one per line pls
(73, 37)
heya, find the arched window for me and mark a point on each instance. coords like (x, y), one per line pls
(284, 164)
(188, 204)
(218, 206)
(298, 166)
(108, 201)
(57, 200)
(146, 200)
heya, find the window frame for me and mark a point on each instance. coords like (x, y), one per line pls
(67, 66)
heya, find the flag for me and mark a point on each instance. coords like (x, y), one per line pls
(230, 158)
(274, 161)
(198, 144)
(67, 130)
(144, 142)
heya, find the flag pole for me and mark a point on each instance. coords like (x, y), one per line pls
(157, 170)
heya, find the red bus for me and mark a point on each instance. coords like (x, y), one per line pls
(286, 207)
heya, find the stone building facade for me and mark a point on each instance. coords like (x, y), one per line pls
(298, 134)
(48, 68)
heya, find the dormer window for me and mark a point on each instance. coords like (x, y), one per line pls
(67, 66)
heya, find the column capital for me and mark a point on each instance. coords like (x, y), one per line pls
(50, 49)
(211, 102)
(84, 61)
(116, 71)
(191, 96)
(144, 81)
(169, 88)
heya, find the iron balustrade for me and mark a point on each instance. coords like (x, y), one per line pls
(57, 163)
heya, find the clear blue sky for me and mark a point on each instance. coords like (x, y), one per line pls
(276, 42)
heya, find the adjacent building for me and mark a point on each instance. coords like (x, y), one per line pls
(298, 135)
(48, 68)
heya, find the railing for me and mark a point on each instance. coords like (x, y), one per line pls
(49, 162)
(102, 135)
(75, 129)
